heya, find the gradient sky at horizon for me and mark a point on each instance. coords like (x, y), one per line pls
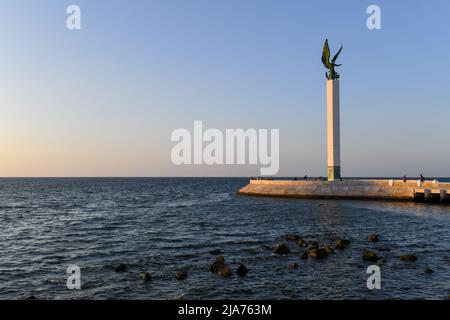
(104, 100)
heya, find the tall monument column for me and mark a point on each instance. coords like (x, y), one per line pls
(333, 130)
(333, 125)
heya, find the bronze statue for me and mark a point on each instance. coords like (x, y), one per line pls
(331, 74)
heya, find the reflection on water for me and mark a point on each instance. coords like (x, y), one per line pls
(165, 225)
(431, 210)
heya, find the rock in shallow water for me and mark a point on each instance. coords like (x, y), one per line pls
(181, 275)
(241, 270)
(146, 276)
(374, 238)
(329, 249)
(314, 245)
(318, 253)
(292, 237)
(293, 265)
(341, 244)
(224, 271)
(369, 256)
(219, 267)
(302, 243)
(281, 249)
(218, 262)
(408, 257)
(121, 267)
(304, 255)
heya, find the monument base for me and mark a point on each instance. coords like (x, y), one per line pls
(334, 173)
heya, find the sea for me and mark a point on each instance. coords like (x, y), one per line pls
(165, 225)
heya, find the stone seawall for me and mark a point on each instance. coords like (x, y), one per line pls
(348, 189)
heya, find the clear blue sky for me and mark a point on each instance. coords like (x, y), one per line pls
(104, 100)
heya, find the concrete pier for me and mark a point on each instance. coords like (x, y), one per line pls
(349, 189)
(443, 196)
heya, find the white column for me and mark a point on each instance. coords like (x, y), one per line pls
(333, 130)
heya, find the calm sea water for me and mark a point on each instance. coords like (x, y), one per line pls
(164, 225)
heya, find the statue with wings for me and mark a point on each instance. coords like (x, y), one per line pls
(331, 74)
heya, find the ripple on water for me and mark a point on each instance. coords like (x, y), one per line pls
(166, 225)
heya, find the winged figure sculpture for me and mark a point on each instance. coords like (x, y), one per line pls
(330, 64)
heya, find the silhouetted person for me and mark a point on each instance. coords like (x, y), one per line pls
(404, 178)
(305, 177)
(422, 178)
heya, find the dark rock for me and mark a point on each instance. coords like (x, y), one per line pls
(314, 245)
(30, 298)
(374, 237)
(293, 265)
(292, 237)
(241, 270)
(302, 243)
(224, 271)
(215, 252)
(219, 267)
(429, 270)
(408, 257)
(341, 244)
(217, 264)
(121, 267)
(281, 249)
(319, 253)
(304, 256)
(251, 250)
(329, 249)
(369, 256)
(181, 275)
(146, 276)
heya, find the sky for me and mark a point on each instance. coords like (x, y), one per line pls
(104, 100)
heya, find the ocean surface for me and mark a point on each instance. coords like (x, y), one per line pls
(165, 225)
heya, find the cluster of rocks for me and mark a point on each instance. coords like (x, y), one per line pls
(312, 250)
(372, 256)
(218, 266)
(316, 252)
(222, 269)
